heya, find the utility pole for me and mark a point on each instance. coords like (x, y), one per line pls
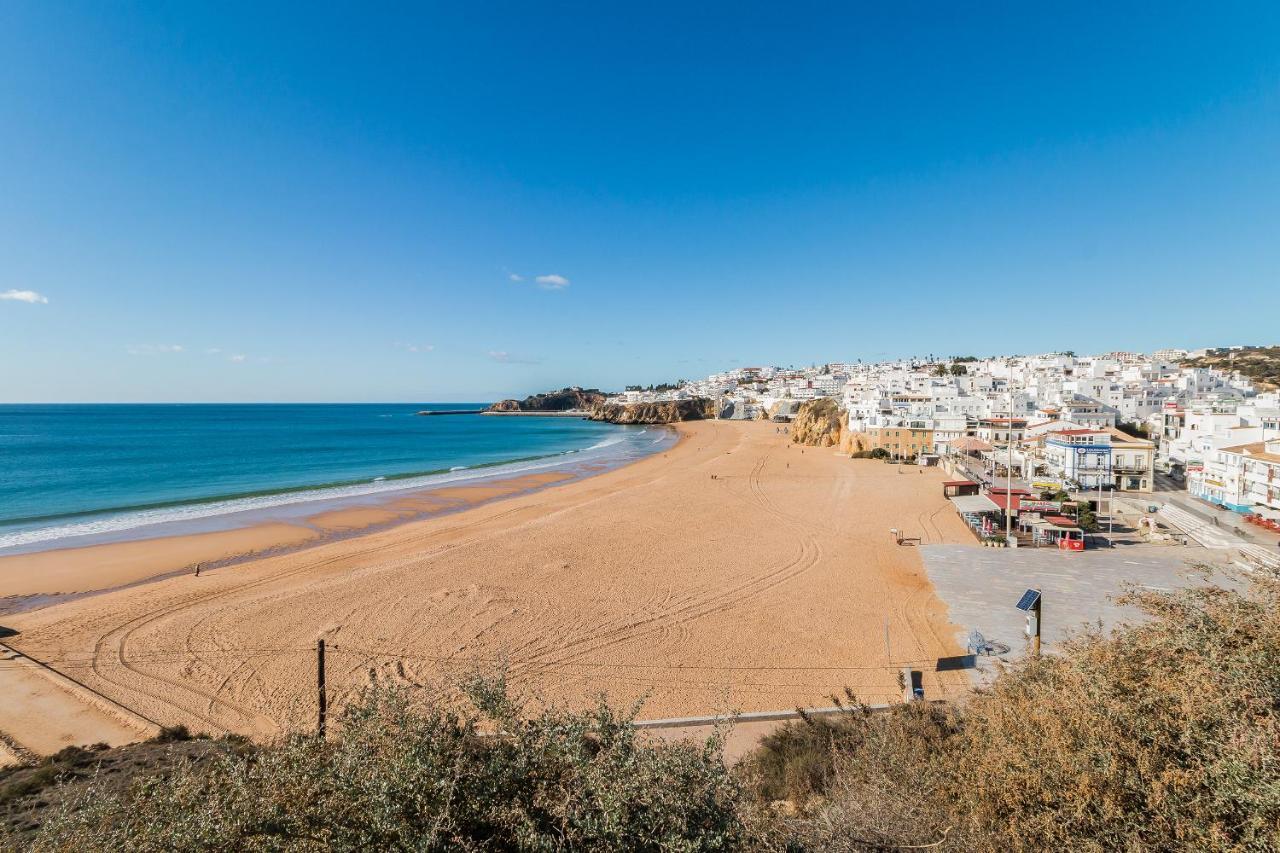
(323, 704)
(1099, 458)
(1008, 487)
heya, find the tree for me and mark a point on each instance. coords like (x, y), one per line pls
(1086, 517)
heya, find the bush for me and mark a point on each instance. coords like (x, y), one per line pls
(877, 785)
(1165, 735)
(398, 775)
(1161, 736)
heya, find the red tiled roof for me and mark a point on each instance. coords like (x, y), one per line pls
(1000, 500)
(968, 443)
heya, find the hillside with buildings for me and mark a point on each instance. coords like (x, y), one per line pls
(1207, 422)
(1259, 364)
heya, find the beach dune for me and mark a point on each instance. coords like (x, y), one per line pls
(734, 572)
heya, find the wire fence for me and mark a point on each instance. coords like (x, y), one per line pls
(702, 676)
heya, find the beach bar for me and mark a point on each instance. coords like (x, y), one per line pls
(979, 513)
(958, 488)
(1056, 531)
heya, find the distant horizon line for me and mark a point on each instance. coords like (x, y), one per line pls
(250, 402)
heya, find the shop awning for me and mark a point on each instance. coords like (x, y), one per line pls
(974, 503)
(1045, 524)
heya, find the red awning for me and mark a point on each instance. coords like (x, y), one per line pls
(1001, 500)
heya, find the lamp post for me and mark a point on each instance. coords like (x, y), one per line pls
(1008, 480)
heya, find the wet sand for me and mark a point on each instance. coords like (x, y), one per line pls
(42, 577)
(733, 572)
(77, 570)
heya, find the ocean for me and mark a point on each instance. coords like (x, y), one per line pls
(84, 474)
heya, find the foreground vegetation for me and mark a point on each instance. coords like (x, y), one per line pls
(1162, 736)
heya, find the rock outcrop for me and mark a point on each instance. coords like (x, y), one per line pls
(819, 423)
(564, 400)
(822, 423)
(696, 409)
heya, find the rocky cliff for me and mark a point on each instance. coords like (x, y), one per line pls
(564, 400)
(822, 423)
(697, 409)
(819, 423)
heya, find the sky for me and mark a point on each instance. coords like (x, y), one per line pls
(470, 201)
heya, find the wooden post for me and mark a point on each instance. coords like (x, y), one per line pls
(323, 704)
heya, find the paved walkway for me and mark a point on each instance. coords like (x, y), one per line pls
(982, 585)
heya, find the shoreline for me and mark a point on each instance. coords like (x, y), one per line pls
(129, 562)
(735, 572)
(326, 456)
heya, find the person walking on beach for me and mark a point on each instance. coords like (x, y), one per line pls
(197, 570)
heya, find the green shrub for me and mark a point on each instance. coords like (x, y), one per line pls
(399, 775)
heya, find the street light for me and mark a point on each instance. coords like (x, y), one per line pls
(1008, 488)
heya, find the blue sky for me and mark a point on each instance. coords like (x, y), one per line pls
(226, 203)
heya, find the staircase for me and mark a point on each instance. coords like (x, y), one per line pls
(1204, 532)
(1262, 557)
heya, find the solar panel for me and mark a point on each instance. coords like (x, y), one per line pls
(1029, 599)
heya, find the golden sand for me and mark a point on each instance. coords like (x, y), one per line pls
(733, 572)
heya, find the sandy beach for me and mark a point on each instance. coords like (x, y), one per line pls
(733, 572)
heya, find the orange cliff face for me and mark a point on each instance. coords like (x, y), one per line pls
(820, 423)
(671, 411)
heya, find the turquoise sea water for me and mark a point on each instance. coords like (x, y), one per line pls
(71, 474)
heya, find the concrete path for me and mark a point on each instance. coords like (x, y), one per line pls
(982, 585)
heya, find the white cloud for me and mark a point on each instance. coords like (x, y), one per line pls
(552, 282)
(417, 347)
(504, 357)
(28, 296)
(237, 358)
(154, 349)
(515, 277)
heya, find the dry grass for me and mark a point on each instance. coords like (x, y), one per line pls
(1162, 736)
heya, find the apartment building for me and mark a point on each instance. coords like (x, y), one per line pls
(901, 442)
